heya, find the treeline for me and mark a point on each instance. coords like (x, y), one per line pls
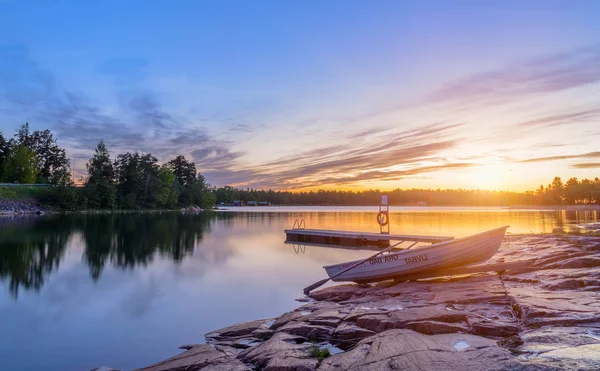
(131, 181)
(572, 192)
(439, 197)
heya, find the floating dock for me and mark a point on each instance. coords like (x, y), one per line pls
(350, 238)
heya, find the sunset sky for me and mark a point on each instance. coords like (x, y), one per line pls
(315, 94)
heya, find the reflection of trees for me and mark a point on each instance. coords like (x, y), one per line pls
(31, 250)
(28, 254)
(128, 240)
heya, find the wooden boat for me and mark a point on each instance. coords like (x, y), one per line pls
(440, 256)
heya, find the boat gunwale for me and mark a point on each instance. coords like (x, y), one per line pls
(432, 246)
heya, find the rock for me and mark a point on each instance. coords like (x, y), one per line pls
(408, 350)
(326, 317)
(349, 332)
(307, 330)
(576, 348)
(436, 327)
(238, 330)
(195, 358)
(280, 346)
(400, 318)
(489, 328)
(580, 262)
(335, 293)
(234, 365)
(292, 364)
(285, 318)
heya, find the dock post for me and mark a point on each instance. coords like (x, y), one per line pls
(383, 218)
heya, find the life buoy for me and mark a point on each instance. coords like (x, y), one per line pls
(382, 218)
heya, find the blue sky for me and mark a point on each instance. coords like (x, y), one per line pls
(305, 94)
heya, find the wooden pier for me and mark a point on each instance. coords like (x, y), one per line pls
(350, 238)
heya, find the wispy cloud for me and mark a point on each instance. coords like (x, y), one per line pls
(343, 164)
(565, 118)
(541, 75)
(565, 157)
(587, 165)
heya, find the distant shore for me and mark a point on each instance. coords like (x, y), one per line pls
(556, 207)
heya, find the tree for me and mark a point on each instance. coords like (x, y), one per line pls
(63, 195)
(557, 189)
(167, 194)
(22, 166)
(137, 180)
(184, 171)
(4, 155)
(99, 167)
(50, 156)
(100, 189)
(571, 191)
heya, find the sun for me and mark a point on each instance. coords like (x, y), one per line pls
(488, 177)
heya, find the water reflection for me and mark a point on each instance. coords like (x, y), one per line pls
(30, 251)
(32, 248)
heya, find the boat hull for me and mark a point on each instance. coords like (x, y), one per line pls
(440, 256)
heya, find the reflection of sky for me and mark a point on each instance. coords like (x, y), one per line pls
(240, 271)
(466, 93)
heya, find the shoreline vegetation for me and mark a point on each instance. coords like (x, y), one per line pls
(136, 181)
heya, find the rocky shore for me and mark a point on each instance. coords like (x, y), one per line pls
(542, 317)
(8, 207)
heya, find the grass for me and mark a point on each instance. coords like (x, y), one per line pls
(318, 353)
(24, 192)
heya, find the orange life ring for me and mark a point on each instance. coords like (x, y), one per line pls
(382, 218)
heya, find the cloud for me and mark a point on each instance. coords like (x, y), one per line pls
(588, 165)
(326, 166)
(565, 118)
(565, 157)
(214, 157)
(142, 124)
(386, 175)
(541, 75)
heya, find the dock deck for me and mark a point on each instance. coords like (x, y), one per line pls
(352, 238)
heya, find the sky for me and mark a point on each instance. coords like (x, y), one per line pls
(315, 94)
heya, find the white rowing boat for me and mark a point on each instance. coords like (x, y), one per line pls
(440, 256)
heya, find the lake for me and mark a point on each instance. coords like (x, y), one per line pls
(125, 290)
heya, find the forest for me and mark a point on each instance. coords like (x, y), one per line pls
(131, 181)
(572, 192)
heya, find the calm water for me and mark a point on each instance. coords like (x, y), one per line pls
(124, 290)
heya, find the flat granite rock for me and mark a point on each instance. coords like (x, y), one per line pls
(196, 357)
(408, 350)
(239, 330)
(280, 346)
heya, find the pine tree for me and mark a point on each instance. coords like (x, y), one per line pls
(100, 187)
(184, 171)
